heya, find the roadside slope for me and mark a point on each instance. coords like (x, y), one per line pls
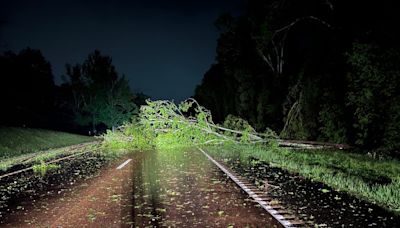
(17, 141)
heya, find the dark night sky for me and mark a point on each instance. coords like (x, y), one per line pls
(163, 47)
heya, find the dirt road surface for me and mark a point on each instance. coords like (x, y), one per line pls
(154, 189)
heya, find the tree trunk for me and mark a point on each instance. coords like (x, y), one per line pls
(93, 125)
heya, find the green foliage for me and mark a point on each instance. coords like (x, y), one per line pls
(118, 106)
(237, 123)
(128, 138)
(43, 168)
(175, 126)
(164, 125)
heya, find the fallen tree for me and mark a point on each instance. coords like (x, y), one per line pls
(163, 123)
(191, 123)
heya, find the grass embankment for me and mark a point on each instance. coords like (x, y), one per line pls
(18, 141)
(376, 181)
(25, 146)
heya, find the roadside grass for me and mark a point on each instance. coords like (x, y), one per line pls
(47, 155)
(18, 141)
(376, 181)
(43, 168)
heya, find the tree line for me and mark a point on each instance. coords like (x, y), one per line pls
(93, 96)
(314, 70)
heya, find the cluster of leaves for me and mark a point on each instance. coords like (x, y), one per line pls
(185, 124)
(243, 129)
(163, 124)
(128, 137)
(237, 123)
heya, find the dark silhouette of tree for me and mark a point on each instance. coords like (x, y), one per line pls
(140, 98)
(216, 92)
(27, 88)
(99, 95)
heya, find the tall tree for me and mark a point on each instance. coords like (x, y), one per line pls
(99, 94)
(118, 105)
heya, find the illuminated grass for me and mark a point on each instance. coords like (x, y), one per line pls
(356, 174)
(19, 141)
(131, 138)
(47, 155)
(43, 168)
